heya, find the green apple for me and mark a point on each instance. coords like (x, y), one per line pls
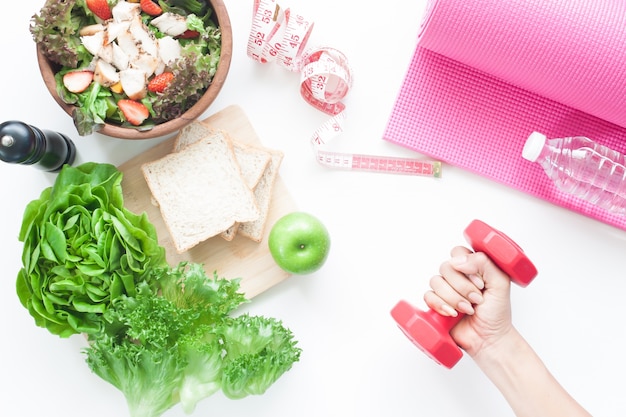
(299, 243)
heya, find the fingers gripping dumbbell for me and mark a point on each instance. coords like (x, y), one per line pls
(429, 330)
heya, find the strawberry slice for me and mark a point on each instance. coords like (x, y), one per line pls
(100, 8)
(189, 34)
(150, 7)
(78, 81)
(158, 83)
(134, 111)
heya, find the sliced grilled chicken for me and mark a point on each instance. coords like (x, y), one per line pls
(160, 68)
(105, 74)
(93, 43)
(146, 63)
(169, 49)
(91, 29)
(170, 23)
(113, 29)
(134, 83)
(127, 43)
(120, 57)
(143, 37)
(125, 11)
(106, 53)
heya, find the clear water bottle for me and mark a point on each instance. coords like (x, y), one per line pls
(583, 168)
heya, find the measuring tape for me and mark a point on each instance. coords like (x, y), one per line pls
(280, 36)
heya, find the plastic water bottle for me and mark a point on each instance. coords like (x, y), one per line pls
(583, 168)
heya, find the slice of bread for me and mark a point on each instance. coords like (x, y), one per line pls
(253, 162)
(190, 134)
(200, 190)
(263, 193)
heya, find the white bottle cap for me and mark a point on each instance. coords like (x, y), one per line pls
(533, 146)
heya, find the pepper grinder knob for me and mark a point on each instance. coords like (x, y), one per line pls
(24, 144)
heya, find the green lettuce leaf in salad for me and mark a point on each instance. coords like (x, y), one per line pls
(82, 250)
(197, 64)
(197, 7)
(93, 107)
(55, 29)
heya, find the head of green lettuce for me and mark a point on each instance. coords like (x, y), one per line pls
(82, 250)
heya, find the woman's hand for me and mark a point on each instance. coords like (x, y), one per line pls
(472, 284)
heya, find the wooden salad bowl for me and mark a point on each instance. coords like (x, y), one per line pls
(48, 68)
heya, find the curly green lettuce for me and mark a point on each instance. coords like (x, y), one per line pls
(82, 250)
(257, 351)
(175, 341)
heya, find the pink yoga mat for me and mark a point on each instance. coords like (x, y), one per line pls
(487, 73)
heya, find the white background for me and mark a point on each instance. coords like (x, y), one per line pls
(389, 235)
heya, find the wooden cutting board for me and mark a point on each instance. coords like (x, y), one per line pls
(240, 258)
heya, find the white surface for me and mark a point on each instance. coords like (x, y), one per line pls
(389, 235)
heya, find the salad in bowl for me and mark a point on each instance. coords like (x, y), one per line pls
(133, 69)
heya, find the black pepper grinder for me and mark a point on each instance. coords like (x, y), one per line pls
(24, 144)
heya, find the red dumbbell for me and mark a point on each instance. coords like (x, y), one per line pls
(429, 330)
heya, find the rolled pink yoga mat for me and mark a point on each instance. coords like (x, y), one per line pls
(486, 73)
